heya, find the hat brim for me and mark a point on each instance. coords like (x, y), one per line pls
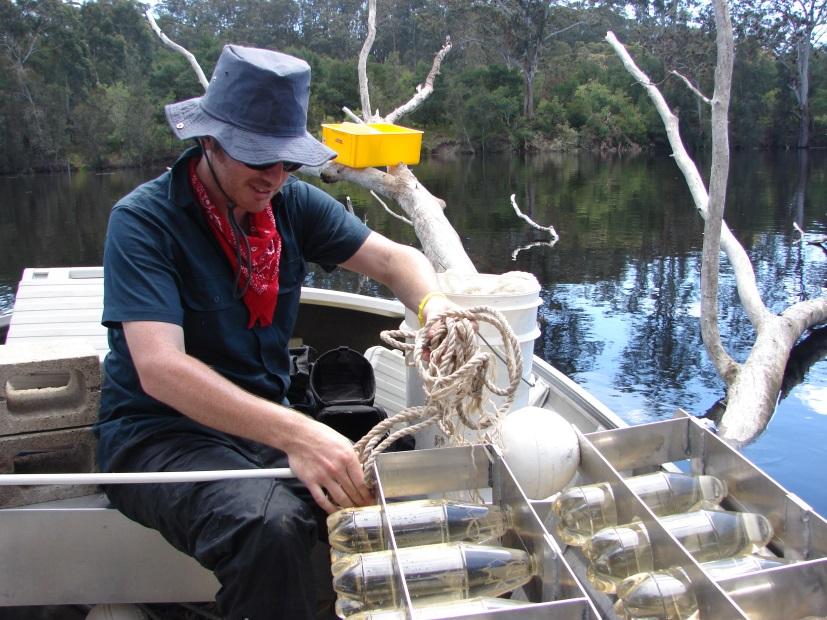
(188, 120)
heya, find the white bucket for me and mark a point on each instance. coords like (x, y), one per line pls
(518, 303)
(522, 317)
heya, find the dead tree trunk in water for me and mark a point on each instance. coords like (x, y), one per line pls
(752, 387)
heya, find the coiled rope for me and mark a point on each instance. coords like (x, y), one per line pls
(455, 371)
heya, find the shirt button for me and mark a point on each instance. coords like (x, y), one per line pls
(216, 299)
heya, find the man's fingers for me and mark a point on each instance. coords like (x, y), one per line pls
(322, 499)
(360, 494)
(342, 495)
(346, 493)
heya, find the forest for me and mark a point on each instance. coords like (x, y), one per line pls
(83, 84)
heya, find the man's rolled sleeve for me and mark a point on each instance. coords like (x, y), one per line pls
(331, 234)
(139, 273)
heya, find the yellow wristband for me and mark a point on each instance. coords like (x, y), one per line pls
(420, 314)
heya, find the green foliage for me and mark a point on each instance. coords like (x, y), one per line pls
(486, 105)
(551, 116)
(335, 85)
(391, 84)
(606, 118)
(85, 83)
(818, 98)
(756, 92)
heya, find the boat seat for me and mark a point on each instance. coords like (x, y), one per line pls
(64, 303)
(79, 549)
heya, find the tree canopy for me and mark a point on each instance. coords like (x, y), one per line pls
(84, 84)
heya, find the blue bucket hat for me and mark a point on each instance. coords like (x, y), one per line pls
(256, 107)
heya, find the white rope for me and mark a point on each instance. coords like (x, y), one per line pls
(455, 372)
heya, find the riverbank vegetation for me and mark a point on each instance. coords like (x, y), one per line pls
(84, 84)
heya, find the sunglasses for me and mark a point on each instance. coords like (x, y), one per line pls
(287, 166)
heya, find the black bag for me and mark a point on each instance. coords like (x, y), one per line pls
(343, 387)
(299, 393)
(338, 389)
(352, 421)
(342, 376)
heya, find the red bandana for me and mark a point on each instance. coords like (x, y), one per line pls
(265, 248)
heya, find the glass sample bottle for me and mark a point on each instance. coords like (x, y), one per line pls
(581, 511)
(419, 522)
(669, 595)
(435, 611)
(618, 552)
(449, 571)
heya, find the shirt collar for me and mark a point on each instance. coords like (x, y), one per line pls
(180, 191)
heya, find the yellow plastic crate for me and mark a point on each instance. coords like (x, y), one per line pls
(372, 144)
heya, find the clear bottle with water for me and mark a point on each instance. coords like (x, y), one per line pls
(447, 571)
(437, 611)
(583, 510)
(669, 594)
(418, 522)
(615, 553)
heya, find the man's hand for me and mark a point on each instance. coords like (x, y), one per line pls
(437, 304)
(328, 466)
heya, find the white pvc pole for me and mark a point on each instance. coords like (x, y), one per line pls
(143, 477)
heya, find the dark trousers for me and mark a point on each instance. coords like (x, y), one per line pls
(256, 535)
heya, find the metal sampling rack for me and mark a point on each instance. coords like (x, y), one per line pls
(560, 590)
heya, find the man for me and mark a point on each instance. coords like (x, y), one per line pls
(203, 268)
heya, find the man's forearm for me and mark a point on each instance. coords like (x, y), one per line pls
(403, 269)
(197, 391)
(411, 277)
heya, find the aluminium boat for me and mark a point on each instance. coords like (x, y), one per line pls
(80, 550)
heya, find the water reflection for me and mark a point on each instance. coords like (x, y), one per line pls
(57, 220)
(620, 288)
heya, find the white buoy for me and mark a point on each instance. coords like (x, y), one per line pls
(541, 449)
(119, 611)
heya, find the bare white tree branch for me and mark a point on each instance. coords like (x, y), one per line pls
(692, 87)
(388, 209)
(549, 229)
(351, 115)
(423, 91)
(719, 173)
(181, 50)
(747, 286)
(752, 388)
(440, 242)
(364, 93)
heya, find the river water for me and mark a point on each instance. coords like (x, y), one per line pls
(620, 288)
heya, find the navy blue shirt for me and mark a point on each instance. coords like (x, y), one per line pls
(163, 263)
